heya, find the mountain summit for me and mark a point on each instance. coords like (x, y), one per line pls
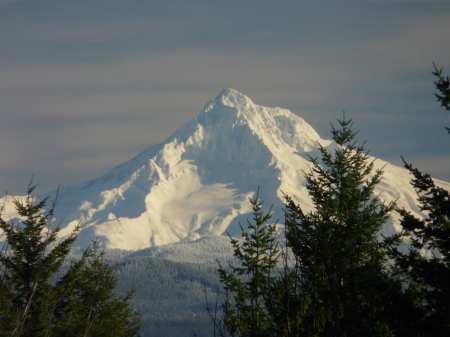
(197, 182)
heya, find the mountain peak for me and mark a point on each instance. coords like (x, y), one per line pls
(232, 98)
(197, 182)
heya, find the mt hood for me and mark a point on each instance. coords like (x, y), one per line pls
(198, 181)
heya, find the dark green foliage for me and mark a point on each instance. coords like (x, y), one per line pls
(344, 281)
(334, 280)
(443, 86)
(28, 266)
(427, 264)
(247, 308)
(425, 267)
(341, 273)
(36, 301)
(87, 302)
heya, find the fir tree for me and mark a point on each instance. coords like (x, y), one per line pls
(427, 263)
(36, 301)
(335, 281)
(28, 265)
(426, 266)
(87, 301)
(247, 308)
(443, 86)
(341, 274)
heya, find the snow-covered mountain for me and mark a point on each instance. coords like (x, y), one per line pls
(197, 182)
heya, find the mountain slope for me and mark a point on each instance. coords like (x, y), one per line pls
(197, 182)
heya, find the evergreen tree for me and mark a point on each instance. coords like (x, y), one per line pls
(426, 265)
(35, 301)
(249, 301)
(342, 282)
(443, 86)
(341, 275)
(87, 302)
(337, 283)
(28, 266)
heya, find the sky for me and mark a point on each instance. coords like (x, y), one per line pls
(87, 85)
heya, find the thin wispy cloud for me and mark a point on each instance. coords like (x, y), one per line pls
(86, 86)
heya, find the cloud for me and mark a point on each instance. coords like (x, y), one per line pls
(84, 88)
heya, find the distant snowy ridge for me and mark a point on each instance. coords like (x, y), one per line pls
(197, 182)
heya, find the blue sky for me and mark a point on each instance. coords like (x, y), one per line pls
(87, 85)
